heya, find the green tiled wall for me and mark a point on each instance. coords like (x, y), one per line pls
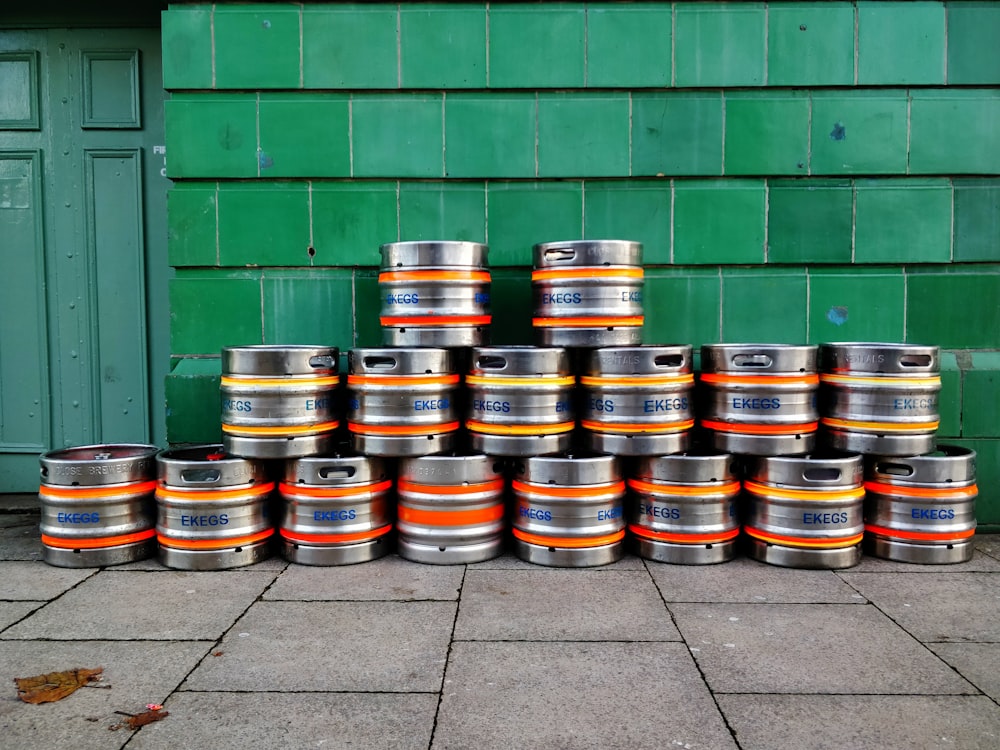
(797, 171)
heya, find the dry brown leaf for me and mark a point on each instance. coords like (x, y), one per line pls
(54, 686)
(140, 720)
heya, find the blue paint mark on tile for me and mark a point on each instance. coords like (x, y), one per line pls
(839, 132)
(264, 160)
(837, 315)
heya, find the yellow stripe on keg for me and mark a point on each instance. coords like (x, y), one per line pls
(931, 493)
(209, 495)
(491, 380)
(586, 272)
(804, 542)
(289, 382)
(569, 542)
(776, 379)
(637, 380)
(692, 490)
(850, 424)
(887, 380)
(855, 493)
(432, 275)
(519, 429)
(309, 429)
(629, 428)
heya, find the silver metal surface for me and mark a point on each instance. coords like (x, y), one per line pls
(812, 559)
(96, 465)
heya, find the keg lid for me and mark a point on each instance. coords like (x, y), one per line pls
(571, 469)
(808, 472)
(206, 467)
(882, 359)
(520, 360)
(335, 470)
(639, 360)
(950, 465)
(766, 359)
(93, 465)
(451, 469)
(400, 361)
(434, 254)
(279, 360)
(587, 253)
(688, 468)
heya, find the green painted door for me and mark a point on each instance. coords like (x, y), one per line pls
(83, 272)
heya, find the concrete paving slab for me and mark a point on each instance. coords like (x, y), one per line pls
(809, 648)
(936, 606)
(324, 646)
(979, 663)
(275, 564)
(562, 605)
(136, 673)
(744, 580)
(988, 544)
(875, 722)
(979, 562)
(576, 695)
(20, 538)
(117, 605)
(11, 612)
(510, 562)
(34, 581)
(386, 579)
(270, 720)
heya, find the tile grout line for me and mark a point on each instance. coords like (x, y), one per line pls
(767, 40)
(809, 137)
(767, 215)
(218, 249)
(854, 218)
(301, 46)
(944, 62)
(909, 111)
(399, 45)
(447, 657)
(808, 302)
(722, 301)
(722, 95)
(672, 198)
(951, 248)
(399, 191)
(211, 26)
(444, 136)
(536, 134)
(312, 244)
(673, 45)
(586, 44)
(257, 123)
(486, 213)
(263, 312)
(487, 45)
(350, 134)
(630, 126)
(857, 14)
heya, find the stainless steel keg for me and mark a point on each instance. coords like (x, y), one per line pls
(451, 509)
(922, 509)
(637, 400)
(212, 509)
(401, 402)
(336, 510)
(805, 512)
(682, 508)
(880, 398)
(435, 294)
(568, 510)
(520, 400)
(588, 293)
(760, 399)
(278, 401)
(97, 505)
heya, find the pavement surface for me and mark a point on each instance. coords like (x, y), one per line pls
(504, 654)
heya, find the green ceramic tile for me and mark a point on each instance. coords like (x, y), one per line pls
(903, 221)
(398, 136)
(955, 132)
(859, 132)
(681, 306)
(522, 214)
(263, 224)
(304, 135)
(719, 221)
(628, 44)
(257, 47)
(630, 210)
(536, 46)
(490, 135)
(211, 135)
(368, 331)
(764, 305)
(583, 134)
(981, 405)
(719, 44)
(954, 310)
(220, 308)
(442, 211)
(187, 48)
(767, 133)
(350, 47)
(988, 481)
(809, 221)
(308, 306)
(973, 31)
(950, 398)
(677, 133)
(442, 46)
(977, 219)
(512, 307)
(351, 221)
(191, 231)
(810, 44)
(192, 394)
(852, 305)
(900, 43)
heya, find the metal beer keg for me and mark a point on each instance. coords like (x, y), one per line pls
(569, 510)
(922, 509)
(278, 401)
(451, 509)
(212, 508)
(588, 293)
(682, 508)
(435, 294)
(760, 399)
(520, 400)
(880, 399)
(97, 505)
(637, 400)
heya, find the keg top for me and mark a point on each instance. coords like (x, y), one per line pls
(748, 359)
(883, 359)
(587, 253)
(267, 359)
(520, 360)
(207, 467)
(570, 469)
(434, 254)
(400, 361)
(639, 360)
(688, 468)
(808, 472)
(94, 465)
(451, 469)
(335, 470)
(949, 464)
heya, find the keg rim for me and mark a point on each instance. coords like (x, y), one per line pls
(142, 450)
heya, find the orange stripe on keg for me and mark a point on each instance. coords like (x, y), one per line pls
(920, 536)
(209, 544)
(823, 495)
(289, 382)
(306, 429)
(627, 428)
(435, 320)
(886, 380)
(359, 536)
(97, 542)
(587, 491)
(626, 321)
(720, 379)
(569, 541)
(209, 495)
(494, 380)
(683, 489)
(663, 536)
(405, 485)
(83, 493)
(760, 429)
(322, 492)
(944, 493)
(450, 517)
(520, 429)
(850, 424)
(641, 381)
(586, 272)
(386, 276)
(405, 380)
(433, 429)
(797, 541)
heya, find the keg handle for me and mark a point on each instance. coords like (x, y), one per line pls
(322, 362)
(201, 476)
(752, 360)
(336, 472)
(669, 360)
(821, 474)
(557, 254)
(914, 360)
(102, 456)
(380, 363)
(894, 469)
(491, 362)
